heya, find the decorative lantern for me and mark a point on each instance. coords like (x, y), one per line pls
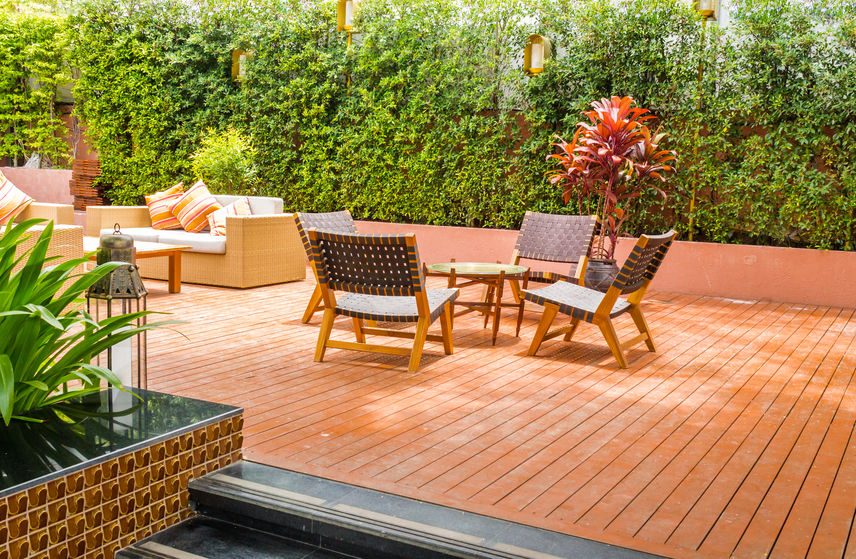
(538, 49)
(121, 292)
(708, 9)
(239, 64)
(345, 15)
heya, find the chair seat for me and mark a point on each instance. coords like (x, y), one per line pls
(392, 308)
(574, 300)
(540, 276)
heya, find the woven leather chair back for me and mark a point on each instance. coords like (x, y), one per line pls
(555, 238)
(643, 262)
(334, 222)
(367, 264)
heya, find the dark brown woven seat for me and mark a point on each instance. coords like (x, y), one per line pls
(334, 222)
(382, 280)
(554, 238)
(583, 304)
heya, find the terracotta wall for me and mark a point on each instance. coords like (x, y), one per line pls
(748, 272)
(45, 185)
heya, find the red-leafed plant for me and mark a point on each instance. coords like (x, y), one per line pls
(614, 158)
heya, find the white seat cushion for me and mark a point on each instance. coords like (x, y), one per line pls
(145, 234)
(198, 242)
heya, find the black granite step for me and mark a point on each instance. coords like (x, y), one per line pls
(365, 523)
(208, 538)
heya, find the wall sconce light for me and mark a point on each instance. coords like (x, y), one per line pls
(709, 9)
(239, 64)
(538, 49)
(345, 11)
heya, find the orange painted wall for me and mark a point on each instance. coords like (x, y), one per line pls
(792, 275)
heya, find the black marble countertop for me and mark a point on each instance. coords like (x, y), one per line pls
(94, 429)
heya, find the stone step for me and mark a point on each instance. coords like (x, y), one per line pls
(366, 523)
(209, 538)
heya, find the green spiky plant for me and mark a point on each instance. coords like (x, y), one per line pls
(46, 347)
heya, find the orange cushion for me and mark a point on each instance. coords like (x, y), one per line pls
(217, 219)
(12, 200)
(193, 207)
(160, 204)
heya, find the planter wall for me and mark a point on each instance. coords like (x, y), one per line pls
(118, 493)
(792, 275)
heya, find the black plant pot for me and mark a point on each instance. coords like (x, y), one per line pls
(600, 274)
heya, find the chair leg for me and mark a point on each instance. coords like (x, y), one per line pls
(314, 302)
(488, 298)
(612, 341)
(570, 334)
(418, 343)
(324, 334)
(642, 325)
(358, 330)
(446, 328)
(520, 316)
(547, 317)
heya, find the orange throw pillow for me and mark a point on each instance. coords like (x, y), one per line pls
(12, 200)
(160, 204)
(217, 220)
(193, 207)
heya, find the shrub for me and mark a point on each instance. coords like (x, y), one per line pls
(226, 162)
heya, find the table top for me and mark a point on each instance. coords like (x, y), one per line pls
(477, 268)
(91, 244)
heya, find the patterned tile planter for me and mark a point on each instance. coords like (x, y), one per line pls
(106, 482)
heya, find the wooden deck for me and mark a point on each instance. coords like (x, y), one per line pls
(736, 438)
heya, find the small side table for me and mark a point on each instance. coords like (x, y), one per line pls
(493, 276)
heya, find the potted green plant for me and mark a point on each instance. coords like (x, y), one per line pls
(48, 341)
(611, 161)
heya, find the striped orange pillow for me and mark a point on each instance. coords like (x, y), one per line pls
(12, 200)
(193, 207)
(160, 204)
(217, 220)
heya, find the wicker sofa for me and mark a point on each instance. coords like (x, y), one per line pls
(60, 214)
(260, 249)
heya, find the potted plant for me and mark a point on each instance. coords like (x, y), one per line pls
(611, 161)
(48, 343)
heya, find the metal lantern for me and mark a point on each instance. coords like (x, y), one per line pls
(709, 9)
(239, 64)
(345, 10)
(121, 292)
(538, 50)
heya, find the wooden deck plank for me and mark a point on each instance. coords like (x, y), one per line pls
(737, 436)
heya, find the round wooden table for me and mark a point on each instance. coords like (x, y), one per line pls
(493, 277)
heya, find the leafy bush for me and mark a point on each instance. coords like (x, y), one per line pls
(226, 162)
(32, 50)
(47, 347)
(428, 117)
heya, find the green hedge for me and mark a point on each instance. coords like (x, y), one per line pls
(31, 68)
(428, 118)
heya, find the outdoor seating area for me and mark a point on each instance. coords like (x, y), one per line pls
(427, 279)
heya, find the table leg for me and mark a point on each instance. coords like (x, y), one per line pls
(497, 309)
(175, 272)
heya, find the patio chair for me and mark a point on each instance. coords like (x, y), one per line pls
(582, 303)
(382, 280)
(334, 222)
(554, 238)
